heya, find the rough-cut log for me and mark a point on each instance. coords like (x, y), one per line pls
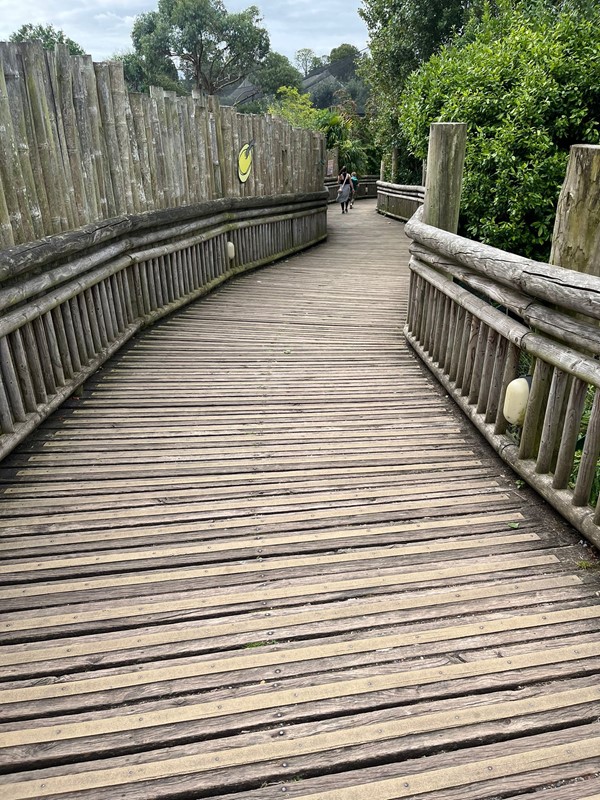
(576, 238)
(562, 327)
(568, 289)
(443, 183)
(22, 258)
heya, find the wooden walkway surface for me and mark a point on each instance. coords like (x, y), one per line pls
(262, 555)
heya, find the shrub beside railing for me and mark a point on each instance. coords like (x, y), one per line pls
(473, 311)
(398, 201)
(69, 301)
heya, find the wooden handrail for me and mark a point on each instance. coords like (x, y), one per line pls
(70, 301)
(479, 317)
(399, 201)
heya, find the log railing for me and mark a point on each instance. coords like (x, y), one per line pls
(400, 202)
(479, 317)
(69, 301)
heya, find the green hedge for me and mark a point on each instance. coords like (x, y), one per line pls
(527, 83)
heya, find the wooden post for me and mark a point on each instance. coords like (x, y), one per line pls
(445, 160)
(576, 238)
(394, 175)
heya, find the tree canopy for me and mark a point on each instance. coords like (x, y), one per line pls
(343, 61)
(527, 83)
(48, 36)
(210, 46)
(275, 71)
(307, 60)
(405, 33)
(342, 126)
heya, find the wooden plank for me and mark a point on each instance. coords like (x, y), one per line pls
(279, 698)
(71, 650)
(275, 564)
(87, 585)
(299, 561)
(294, 748)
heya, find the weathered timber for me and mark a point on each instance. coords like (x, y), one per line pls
(76, 148)
(260, 536)
(443, 183)
(576, 237)
(566, 288)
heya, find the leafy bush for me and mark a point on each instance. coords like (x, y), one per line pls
(527, 83)
(342, 127)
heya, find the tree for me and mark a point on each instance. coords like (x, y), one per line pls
(527, 83)
(342, 127)
(295, 108)
(343, 61)
(402, 35)
(405, 33)
(203, 40)
(324, 91)
(141, 73)
(307, 60)
(275, 71)
(48, 36)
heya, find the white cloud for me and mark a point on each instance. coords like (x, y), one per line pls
(103, 27)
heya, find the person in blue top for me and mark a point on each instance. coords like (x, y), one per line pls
(354, 183)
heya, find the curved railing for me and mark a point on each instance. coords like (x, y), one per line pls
(479, 318)
(69, 301)
(400, 202)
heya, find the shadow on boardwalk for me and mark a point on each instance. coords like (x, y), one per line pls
(262, 554)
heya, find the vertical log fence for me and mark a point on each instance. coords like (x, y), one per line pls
(76, 148)
(118, 208)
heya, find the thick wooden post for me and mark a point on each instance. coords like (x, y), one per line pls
(445, 161)
(576, 238)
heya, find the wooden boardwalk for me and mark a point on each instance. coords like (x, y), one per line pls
(261, 555)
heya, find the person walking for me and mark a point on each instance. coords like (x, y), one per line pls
(344, 189)
(354, 185)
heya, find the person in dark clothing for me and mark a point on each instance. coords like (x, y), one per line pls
(344, 189)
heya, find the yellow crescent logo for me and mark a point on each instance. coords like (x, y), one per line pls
(245, 162)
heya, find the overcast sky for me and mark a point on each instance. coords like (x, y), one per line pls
(103, 27)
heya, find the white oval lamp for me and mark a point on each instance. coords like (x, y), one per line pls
(231, 250)
(515, 401)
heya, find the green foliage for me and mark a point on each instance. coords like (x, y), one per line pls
(212, 47)
(275, 71)
(342, 127)
(343, 61)
(295, 108)
(402, 35)
(405, 33)
(307, 60)
(527, 83)
(323, 94)
(48, 36)
(139, 76)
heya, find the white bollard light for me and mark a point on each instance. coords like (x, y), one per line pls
(231, 250)
(515, 402)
